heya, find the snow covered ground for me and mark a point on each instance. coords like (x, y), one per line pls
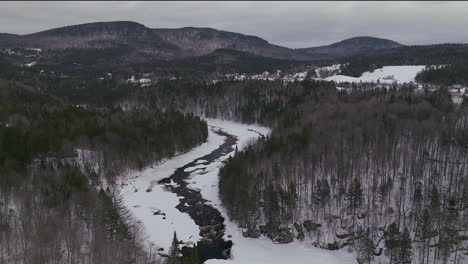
(326, 71)
(387, 74)
(143, 204)
(143, 196)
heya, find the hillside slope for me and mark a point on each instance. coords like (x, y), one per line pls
(101, 35)
(143, 43)
(350, 47)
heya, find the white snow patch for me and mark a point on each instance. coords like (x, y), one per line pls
(30, 64)
(387, 74)
(194, 168)
(35, 49)
(326, 71)
(263, 251)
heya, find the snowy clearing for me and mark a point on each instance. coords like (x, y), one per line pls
(387, 74)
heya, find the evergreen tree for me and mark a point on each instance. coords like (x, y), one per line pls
(425, 228)
(174, 251)
(448, 235)
(383, 190)
(434, 198)
(271, 206)
(405, 248)
(354, 195)
(464, 199)
(365, 246)
(392, 240)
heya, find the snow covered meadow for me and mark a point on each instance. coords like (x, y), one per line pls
(153, 205)
(387, 74)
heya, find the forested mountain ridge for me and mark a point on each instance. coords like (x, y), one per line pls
(206, 40)
(180, 42)
(100, 35)
(202, 41)
(7, 35)
(350, 47)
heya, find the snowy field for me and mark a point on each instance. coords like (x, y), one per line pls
(143, 204)
(387, 74)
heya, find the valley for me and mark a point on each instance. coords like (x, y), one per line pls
(121, 142)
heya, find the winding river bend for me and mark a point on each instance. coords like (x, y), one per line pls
(182, 197)
(209, 219)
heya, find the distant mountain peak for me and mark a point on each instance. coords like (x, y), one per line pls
(128, 35)
(350, 47)
(367, 41)
(96, 27)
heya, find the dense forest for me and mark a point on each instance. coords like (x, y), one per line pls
(252, 101)
(72, 62)
(57, 161)
(222, 61)
(447, 75)
(382, 171)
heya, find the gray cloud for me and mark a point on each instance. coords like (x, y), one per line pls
(292, 24)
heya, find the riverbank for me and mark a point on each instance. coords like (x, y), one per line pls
(154, 205)
(150, 197)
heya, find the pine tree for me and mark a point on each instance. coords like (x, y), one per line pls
(434, 198)
(325, 190)
(392, 240)
(417, 198)
(355, 196)
(174, 251)
(292, 196)
(448, 235)
(383, 190)
(271, 206)
(365, 247)
(464, 199)
(405, 248)
(424, 230)
(341, 192)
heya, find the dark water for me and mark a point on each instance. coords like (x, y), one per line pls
(209, 219)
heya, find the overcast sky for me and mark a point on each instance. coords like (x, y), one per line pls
(291, 24)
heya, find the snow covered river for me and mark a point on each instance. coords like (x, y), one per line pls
(181, 194)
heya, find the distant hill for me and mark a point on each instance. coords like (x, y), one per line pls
(100, 35)
(202, 41)
(350, 47)
(142, 43)
(7, 35)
